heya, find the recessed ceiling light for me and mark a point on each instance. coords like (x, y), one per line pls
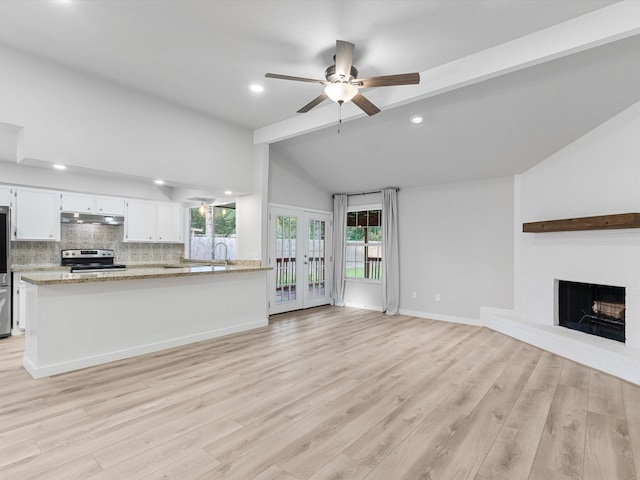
(416, 118)
(256, 88)
(59, 166)
(228, 192)
(159, 182)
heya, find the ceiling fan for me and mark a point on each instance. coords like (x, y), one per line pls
(342, 83)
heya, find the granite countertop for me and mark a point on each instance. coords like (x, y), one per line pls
(38, 268)
(58, 277)
(185, 262)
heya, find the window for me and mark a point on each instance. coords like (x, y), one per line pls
(364, 244)
(211, 226)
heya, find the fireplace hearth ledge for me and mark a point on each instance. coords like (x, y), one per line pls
(602, 354)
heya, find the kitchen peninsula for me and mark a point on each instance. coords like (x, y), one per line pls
(77, 320)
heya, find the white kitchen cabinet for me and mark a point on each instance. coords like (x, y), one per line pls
(140, 221)
(17, 306)
(37, 215)
(110, 206)
(153, 222)
(5, 196)
(169, 223)
(75, 202)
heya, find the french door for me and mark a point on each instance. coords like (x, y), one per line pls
(300, 254)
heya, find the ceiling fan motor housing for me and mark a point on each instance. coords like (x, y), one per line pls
(331, 76)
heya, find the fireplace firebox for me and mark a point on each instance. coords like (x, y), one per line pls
(591, 308)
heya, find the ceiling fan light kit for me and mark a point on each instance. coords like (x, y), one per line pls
(340, 92)
(342, 84)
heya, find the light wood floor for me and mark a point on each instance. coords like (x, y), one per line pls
(324, 394)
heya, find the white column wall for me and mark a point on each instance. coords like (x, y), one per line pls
(251, 211)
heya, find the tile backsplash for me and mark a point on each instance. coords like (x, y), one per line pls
(94, 236)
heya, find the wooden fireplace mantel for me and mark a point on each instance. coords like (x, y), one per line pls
(600, 222)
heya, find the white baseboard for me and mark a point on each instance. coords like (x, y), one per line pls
(440, 317)
(609, 356)
(54, 369)
(377, 308)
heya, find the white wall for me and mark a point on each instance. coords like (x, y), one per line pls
(79, 120)
(596, 175)
(290, 186)
(251, 214)
(456, 240)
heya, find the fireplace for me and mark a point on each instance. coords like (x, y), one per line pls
(595, 309)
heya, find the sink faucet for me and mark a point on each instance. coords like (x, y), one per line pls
(226, 251)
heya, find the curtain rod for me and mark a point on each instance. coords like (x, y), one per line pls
(365, 193)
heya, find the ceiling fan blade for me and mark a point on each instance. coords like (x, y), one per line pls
(390, 80)
(313, 103)
(344, 58)
(366, 106)
(297, 79)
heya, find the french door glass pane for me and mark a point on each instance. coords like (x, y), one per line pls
(316, 259)
(286, 233)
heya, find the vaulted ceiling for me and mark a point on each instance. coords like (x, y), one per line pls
(497, 127)
(205, 54)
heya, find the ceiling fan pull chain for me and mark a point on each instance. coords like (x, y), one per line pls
(339, 116)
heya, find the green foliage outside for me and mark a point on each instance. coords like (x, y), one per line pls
(224, 220)
(355, 272)
(357, 234)
(198, 222)
(286, 227)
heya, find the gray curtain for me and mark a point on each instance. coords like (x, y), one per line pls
(390, 255)
(339, 247)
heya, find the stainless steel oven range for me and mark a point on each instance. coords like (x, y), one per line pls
(89, 260)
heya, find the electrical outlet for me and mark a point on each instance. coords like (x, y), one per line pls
(437, 297)
(414, 295)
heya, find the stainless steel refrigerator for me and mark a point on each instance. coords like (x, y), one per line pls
(5, 273)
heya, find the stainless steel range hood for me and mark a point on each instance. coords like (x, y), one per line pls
(91, 219)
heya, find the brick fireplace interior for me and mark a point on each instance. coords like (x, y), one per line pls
(594, 309)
